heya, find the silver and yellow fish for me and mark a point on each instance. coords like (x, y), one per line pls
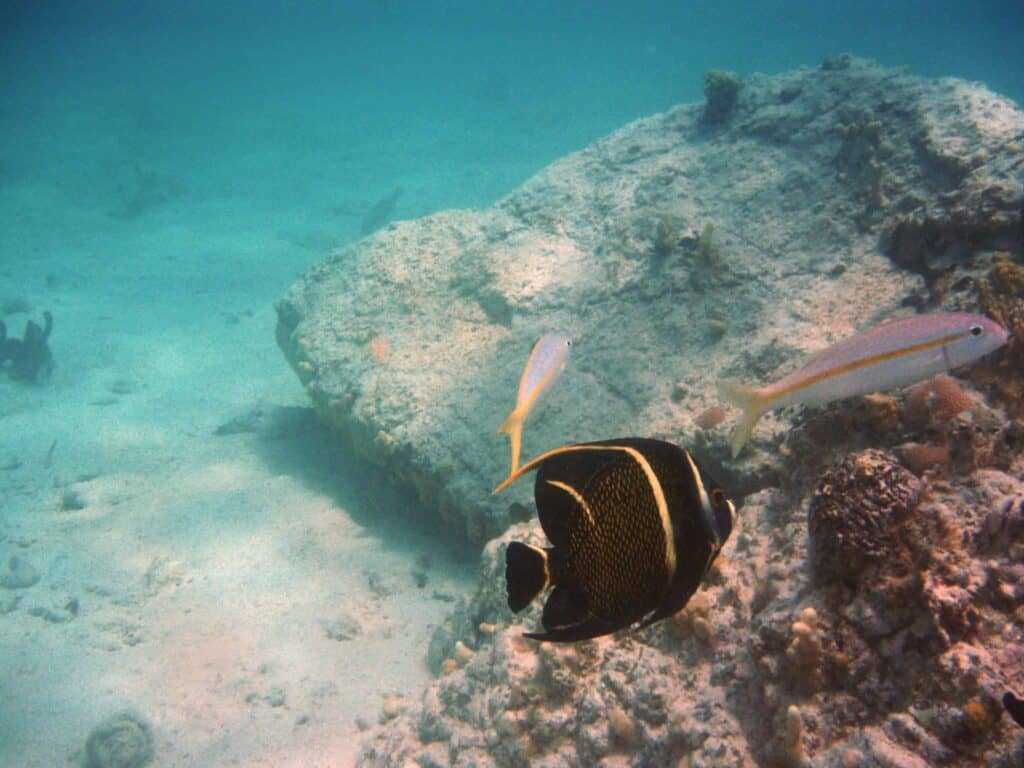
(543, 368)
(894, 354)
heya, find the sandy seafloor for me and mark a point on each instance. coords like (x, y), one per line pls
(158, 210)
(207, 569)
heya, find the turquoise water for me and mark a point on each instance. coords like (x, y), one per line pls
(167, 170)
(279, 109)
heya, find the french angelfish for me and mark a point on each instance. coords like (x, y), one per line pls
(894, 354)
(1015, 707)
(543, 367)
(634, 526)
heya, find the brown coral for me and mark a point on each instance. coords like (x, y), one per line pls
(940, 398)
(854, 512)
(803, 655)
(919, 457)
(1001, 296)
(721, 93)
(710, 418)
(1006, 276)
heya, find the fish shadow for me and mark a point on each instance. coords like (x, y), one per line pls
(291, 440)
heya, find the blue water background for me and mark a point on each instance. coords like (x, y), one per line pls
(295, 116)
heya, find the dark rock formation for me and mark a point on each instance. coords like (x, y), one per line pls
(29, 358)
(721, 91)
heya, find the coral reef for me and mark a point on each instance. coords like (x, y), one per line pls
(28, 359)
(854, 513)
(665, 241)
(1001, 297)
(940, 398)
(860, 159)
(921, 457)
(721, 92)
(903, 660)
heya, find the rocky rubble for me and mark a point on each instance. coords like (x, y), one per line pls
(901, 661)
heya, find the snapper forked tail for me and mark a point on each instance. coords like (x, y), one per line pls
(753, 402)
(513, 427)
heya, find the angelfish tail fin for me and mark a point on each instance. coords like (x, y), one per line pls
(526, 574)
(753, 403)
(513, 427)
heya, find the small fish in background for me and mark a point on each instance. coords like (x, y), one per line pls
(634, 524)
(543, 367)
(1015, 707)
(380, 213)
(894, 354)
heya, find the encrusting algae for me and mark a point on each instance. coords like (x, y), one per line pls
(380, 349)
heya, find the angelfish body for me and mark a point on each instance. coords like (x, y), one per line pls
(543, 368)
(634, 526)
(894, 354)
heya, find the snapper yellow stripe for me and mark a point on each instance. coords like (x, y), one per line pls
(867, 362)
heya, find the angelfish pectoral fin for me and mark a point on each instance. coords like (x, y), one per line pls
(1015, 707)
(567, 618)
(566, 607)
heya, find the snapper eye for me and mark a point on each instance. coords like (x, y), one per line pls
(717, 497)
(977, 330)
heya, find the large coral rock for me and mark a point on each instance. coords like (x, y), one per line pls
(411, 342)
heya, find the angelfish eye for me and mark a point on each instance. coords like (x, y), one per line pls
(977, 330)
(717, 497)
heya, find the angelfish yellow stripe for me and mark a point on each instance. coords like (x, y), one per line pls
(659, 499)
(705, 503)
(867, 362)
(652, 480)
(579, 499)
(544, 559)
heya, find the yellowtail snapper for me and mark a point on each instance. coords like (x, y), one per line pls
(544, 366)
(634, 524)
(890, 355)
